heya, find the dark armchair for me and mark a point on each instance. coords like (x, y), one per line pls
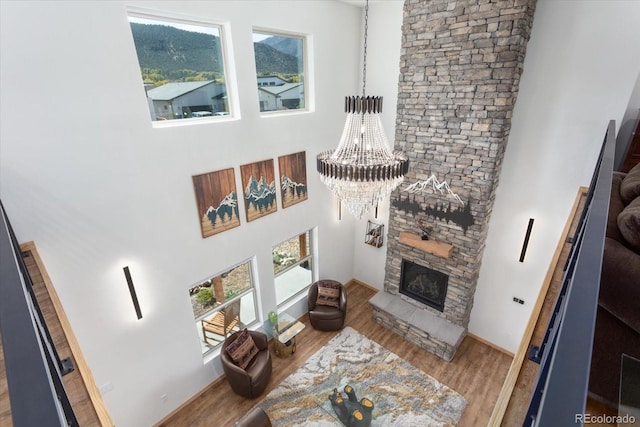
(255, 418)
(327, 314)
(251, 381)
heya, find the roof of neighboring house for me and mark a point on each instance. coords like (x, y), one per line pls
(277, 90)
(272, 76)
(173, 90)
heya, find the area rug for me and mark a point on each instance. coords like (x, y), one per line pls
(402, 394)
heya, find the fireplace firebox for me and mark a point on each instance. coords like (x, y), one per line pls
(423, 284)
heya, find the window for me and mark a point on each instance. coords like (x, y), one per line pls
(292, 266)
(280, 67)
(182, 67)
(223, 305)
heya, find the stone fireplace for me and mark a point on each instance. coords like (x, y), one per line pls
(460, 67)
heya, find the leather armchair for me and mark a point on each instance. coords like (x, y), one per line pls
(324, 317)
(255, 418)
(252, 381)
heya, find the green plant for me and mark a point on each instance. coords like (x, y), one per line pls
(283, 258)
(230, 294)
(205, 297)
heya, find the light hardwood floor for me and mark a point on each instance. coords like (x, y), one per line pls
(477, 370)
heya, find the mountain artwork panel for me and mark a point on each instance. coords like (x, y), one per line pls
(217, 201)
(259, 184)
(293, 178)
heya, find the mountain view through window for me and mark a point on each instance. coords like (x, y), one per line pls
(280, 71)
(182, 68)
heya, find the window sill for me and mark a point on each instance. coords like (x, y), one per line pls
(283, 113)
(160, 124)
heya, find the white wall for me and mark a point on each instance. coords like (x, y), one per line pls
(581, 65)
(85, 175)
(628, 126)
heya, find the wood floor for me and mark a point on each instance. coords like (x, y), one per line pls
(477, 370)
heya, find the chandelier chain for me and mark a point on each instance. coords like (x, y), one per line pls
(363, 170)
(364, 60)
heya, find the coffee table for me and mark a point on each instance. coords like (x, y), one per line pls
(284, 334)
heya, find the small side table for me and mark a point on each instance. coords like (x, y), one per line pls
(284, 334)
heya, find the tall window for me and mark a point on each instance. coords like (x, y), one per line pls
(292, 266)
(223, 305)
(182, 66)
(280, 69)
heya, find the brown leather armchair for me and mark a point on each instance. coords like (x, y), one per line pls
(252, 381)
(255, 418)
(324, 317)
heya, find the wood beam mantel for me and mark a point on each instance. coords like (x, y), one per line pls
(434, 247)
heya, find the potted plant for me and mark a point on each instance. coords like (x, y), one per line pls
(273, 317)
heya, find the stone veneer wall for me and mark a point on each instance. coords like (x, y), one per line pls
(460, 68)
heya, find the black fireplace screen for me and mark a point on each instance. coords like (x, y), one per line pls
(423, 284)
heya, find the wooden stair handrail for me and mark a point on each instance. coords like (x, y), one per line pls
(81, 362)
(504, 397)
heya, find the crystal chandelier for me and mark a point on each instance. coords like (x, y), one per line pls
(363, 170)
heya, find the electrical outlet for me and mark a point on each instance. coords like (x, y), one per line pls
(518, 300)
(106, 387)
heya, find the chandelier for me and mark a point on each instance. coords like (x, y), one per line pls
(363, 170)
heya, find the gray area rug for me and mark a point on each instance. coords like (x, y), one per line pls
(402, 394)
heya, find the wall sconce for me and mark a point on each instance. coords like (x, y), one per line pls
(526, 240)
(132, 291)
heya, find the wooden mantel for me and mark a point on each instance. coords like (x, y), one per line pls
(432, 246)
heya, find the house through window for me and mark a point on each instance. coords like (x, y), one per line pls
(182, 67)
(292, 266)
(223, 304)
(280, 69)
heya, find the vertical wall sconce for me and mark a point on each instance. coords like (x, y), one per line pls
(132, 291)
(526, 240)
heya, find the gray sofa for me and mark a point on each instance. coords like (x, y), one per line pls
(618, 316)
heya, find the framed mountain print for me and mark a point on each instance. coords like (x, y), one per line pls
(293, 178)
(217, 201)
(258, 180)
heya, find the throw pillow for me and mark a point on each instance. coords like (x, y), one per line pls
(629, 224)
(616, 205)
(328, 293)
(243, 349)
(630, 186)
